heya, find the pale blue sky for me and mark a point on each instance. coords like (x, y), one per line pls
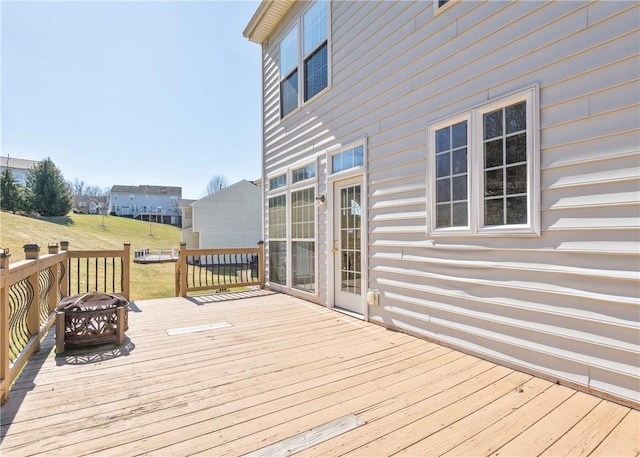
(158, 93)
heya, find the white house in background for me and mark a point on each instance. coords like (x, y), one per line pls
(90, 204)
(228, 218)
(476, 167)
(19, 167)
(154, 203)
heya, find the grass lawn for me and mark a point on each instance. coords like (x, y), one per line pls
(85, 231)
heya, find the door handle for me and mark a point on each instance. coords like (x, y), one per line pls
(335, 246)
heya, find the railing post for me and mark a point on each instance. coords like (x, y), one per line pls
(32, 252)
(4, 325)
(182, 270)
(64, 283)
(126, 271)
(53, 291)
(261, 263)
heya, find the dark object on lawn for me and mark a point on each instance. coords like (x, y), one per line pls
(90, 319)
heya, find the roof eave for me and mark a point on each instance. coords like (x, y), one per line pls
(265, 19)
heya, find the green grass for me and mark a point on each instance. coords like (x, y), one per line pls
(85, 231)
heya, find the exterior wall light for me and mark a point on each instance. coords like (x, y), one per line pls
(320, 200)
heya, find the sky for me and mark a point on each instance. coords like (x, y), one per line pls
(132, 93)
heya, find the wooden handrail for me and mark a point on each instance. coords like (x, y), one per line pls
(234, 274)
(36, 308)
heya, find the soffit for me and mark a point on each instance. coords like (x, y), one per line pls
(265, 19)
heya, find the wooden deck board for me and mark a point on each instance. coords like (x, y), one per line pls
(285, 367)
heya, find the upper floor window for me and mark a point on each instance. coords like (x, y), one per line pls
(308, 69)
(483, 169)
(315, 25)
(289, 72)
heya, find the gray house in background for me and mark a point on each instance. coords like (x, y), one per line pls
(154, 203)
(462, 171)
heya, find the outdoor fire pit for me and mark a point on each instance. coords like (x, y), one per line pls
(91, 319)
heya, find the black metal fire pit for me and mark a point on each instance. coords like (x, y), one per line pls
(91, 319)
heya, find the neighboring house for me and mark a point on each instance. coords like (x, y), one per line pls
(228, 218)
(476, 170)
(154, 203)
(19, 167)
(91, 205)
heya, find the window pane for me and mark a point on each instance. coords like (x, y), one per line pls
(516, 179)
(451, 175)
(289, 52)
(278, 262)
(443, 215)
(443, 190)
(459, 187)
(493, 154)
(289, 93)
(278, 181)
(459, 135)
(315, 72)
(506, 165)
(517, 210)
(460, 214)
(314, 25)
(516, 117)
(493, 124)
(442, 165)
(459, 161)
(443, 139)
(302, 216)
(517, 148)
(303, 265)
(493, 185)
(303, 173)
(277, 217)
(493, 212)
(348, 159)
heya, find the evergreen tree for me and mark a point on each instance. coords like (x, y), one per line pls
(10, 194)
(49, 193)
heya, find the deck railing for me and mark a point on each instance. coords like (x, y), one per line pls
(219, 269)
(30, 290)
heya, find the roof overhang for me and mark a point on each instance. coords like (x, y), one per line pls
(265, 19)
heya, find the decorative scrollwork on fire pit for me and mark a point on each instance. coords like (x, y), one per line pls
(90, 319)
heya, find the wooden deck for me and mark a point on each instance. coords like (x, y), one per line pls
(270, 373)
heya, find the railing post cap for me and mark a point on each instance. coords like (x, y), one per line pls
(261, 242)
(183, 243)
(31, 247)
(53, 245)
(4, 253)
(127, 243)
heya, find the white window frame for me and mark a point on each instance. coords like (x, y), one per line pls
(287, 190)
(301, 58)
(475, 170)
(347, 172)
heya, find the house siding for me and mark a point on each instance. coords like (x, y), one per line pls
(228, 218)
(564, 304)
